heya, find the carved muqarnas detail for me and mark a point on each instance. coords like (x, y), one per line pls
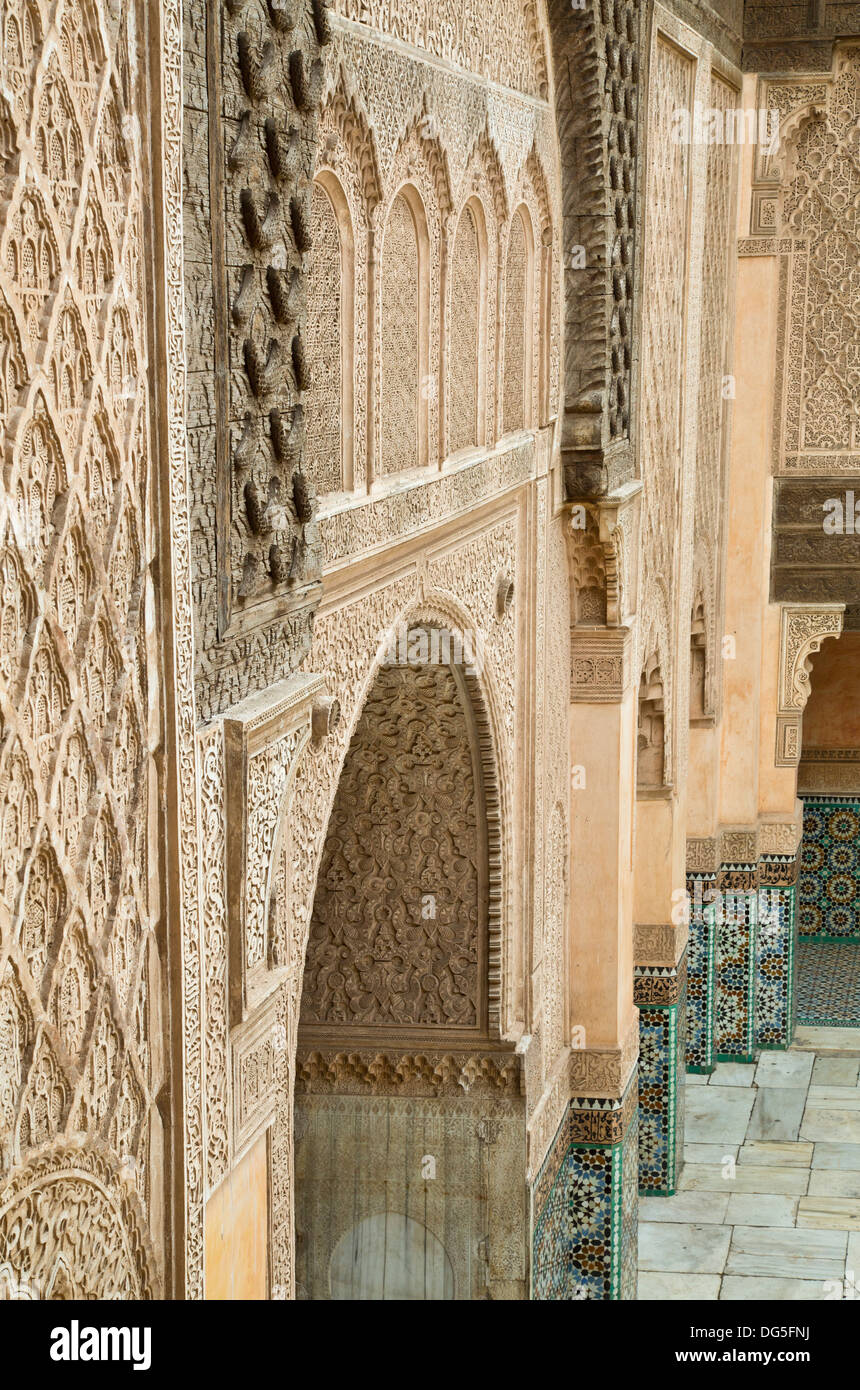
(400, 916)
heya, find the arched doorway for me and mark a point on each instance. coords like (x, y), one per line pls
(409, 1123)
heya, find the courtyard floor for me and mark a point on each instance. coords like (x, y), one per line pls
(768, 1204)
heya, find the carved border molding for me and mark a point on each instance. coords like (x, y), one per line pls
(703, 856)
(183, 811)
(661, 944)
(604, 1071)
(803, 627)
(428, 1073)
(600, 664)
(264, 737)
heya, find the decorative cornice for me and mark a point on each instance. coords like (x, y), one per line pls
(429, 1073)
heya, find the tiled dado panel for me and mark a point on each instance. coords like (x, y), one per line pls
(775, 952)
(660, 991)
(585, 1204)
(701, 974)
(735, 965)
(829, 877)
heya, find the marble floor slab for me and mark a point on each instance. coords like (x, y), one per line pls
(656, 1287)
(746, 1177)
(784, 1069)
(835, 1071)
(829, 1213)
(714, 1113)
(758, 1209)
(697, 1207)
(790, 1154)
(777, 1113)
(743, 1288)
(831, 1125)
(683, 1247)
(829, 1155)
(797, 1254)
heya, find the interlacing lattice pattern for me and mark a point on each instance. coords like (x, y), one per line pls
(80, 1060)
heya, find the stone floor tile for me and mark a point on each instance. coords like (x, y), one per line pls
(777, 1113)
(742, 1288)
(826, 1041)
(834, 1098)
(784, 1069)
(786, 1154)
(696, 1078)
(660, 1288)
(829, 1213)
(710, 1153)
(733, 1074)
(784, 1254)
(831, 1126)
(835, 1071)
(699, 1207)
(830, 1155)
(683, 1247)
(748, 1177)
(834, 1182)
(759, 1209)
(717, 1114)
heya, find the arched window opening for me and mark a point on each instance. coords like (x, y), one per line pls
(650, 766)
(328, 400)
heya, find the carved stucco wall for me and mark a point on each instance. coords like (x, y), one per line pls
(82, 1055)
(805, 201)
(667, 250)
(388, 118)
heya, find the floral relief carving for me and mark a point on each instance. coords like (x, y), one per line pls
(75, 848)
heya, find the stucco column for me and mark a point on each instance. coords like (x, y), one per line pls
(595, 1150)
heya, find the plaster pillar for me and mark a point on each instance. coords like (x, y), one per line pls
(585, 1195)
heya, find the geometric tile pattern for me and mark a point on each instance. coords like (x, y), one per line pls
(701, 963)
(735, 968)
(829, 879)
(585, 1205)
(828, 984)
(662, 1047)
(776, 933)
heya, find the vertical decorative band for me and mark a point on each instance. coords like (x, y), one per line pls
(776, 933)
(735, 966)
(660, 991)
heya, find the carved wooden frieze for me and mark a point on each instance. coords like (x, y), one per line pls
(254, 76)
(596, 57)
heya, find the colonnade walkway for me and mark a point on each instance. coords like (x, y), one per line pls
(768, 1205)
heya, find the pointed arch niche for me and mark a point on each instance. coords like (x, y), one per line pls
(518, 341)
(331, 339)
(401, 1075)
(405, 380)
(468, 351)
